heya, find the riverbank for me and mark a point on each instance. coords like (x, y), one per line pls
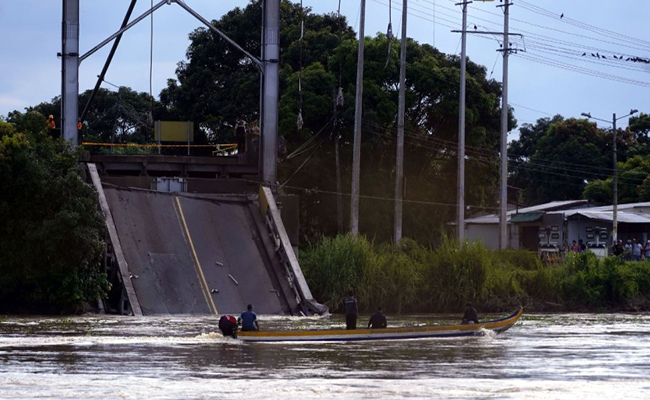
(411, 278)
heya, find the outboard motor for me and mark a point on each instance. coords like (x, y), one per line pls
(228, 326)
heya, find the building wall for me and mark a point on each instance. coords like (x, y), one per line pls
(577, 229)
(489, 235)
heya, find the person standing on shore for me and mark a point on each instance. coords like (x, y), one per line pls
(351, 311)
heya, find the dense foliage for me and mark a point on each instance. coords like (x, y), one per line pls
(415, 278)
(51, 232)
(568, 159)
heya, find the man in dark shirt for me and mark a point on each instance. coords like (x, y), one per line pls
(248, 320)
(351, 311)
(618, 248)
(377, 320)
(470, 316)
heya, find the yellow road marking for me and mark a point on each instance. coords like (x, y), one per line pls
(202, 282)
(178, 217)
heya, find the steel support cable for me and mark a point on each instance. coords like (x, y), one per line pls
(109, 59)
(303, 163)
(302, 147)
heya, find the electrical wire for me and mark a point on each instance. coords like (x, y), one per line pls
(303, 163)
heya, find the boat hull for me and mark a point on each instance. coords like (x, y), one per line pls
(412, 332)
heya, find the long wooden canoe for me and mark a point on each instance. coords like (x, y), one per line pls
(410, 332)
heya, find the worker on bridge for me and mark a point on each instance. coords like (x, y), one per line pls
(50, 122)
(240, 136)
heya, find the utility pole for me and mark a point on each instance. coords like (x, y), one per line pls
(503, 195)
(335, 132)
(356, 158)
(399, 174)
(615, 199)
(70, 72)
(615, 183)
(461, 127)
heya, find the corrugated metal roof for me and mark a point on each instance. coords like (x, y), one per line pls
(622, 217)
(553, 205)
(635, 214)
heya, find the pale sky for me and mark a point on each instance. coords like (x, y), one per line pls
(551, 77)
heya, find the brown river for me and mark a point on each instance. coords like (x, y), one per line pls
(555, 356)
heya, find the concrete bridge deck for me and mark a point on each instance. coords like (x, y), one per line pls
(194, 254)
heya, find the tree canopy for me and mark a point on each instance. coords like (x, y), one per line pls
(558, 159)
(51, 235)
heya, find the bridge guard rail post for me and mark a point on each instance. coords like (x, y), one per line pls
(115, 240)
(296, 279)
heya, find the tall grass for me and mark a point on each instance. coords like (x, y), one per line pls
(415, 278)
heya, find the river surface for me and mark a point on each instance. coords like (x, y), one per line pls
(561, 356)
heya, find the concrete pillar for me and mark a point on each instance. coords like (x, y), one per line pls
(271, 89)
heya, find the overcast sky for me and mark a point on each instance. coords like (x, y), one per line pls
(550, 77)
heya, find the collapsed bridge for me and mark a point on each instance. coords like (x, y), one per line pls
(175, 252)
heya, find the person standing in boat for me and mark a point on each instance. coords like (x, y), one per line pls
(470, 316)
(377, 320)
(248, 320)
(351, 311)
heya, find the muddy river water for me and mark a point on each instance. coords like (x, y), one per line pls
(559, 356)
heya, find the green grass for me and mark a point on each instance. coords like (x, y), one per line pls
(415, 278)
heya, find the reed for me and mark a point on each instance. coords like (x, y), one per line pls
(411, 277)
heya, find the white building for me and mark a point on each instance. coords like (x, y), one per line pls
(560, 222)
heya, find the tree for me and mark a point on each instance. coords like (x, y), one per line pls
(633, 183)
(555, 158)
(217, 85)
(51, 236)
